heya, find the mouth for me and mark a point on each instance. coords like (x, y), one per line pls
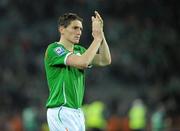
(77, 37)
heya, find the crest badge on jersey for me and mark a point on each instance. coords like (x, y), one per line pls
(59, 51)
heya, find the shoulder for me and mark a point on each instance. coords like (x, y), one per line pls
(49, 47)
(80, 48)
(52, 45)
(54, 49)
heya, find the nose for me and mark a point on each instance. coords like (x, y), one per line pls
(79, 32)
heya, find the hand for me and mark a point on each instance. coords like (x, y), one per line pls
(97, 26)
(99, 17)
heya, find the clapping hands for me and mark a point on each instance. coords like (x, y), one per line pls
(97, 26)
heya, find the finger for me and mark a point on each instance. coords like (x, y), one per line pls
(98, 16)
(92, 18)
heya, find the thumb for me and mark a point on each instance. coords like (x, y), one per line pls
(92, 18)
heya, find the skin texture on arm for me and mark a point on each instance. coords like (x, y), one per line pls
(85, 59)
(104, 56)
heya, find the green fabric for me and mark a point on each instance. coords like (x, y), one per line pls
(66, 84)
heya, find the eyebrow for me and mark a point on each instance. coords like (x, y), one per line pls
(78, 27)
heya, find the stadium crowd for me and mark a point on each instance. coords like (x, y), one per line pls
(144, 42)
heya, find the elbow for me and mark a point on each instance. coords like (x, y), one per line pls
(84, 65)
(87, 65)
(105, 63)
(108, 62)
(86, 62)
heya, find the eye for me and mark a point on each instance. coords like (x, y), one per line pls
(76, 27)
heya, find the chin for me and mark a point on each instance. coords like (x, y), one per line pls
(76, 42)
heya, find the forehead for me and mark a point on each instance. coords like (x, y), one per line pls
(76, 23)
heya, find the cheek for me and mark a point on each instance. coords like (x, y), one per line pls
(70, 33)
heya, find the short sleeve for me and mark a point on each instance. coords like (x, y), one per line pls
(57, 56)
(82, 50)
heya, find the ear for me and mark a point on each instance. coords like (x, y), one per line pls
(61, 30)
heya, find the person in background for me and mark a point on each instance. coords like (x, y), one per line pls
(137, 116)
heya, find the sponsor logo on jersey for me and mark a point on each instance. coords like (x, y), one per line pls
(59, 51)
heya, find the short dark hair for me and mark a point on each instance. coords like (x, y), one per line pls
(66, 19)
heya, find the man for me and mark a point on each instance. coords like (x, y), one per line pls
(65, 62)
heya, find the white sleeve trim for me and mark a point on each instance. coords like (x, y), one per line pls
(90, 66)
(65, 59)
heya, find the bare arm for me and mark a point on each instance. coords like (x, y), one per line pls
(85, 59)
(104, 56)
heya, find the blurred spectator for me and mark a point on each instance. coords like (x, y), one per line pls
(15, 123)
(44, 127)
(158, 119)
(29, 116)
(137, 116)
(94, 116)
(115, 121)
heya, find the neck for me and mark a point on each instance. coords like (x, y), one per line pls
(67, 44)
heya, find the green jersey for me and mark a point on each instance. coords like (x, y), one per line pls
(66, 84)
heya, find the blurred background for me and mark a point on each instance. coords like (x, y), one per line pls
(139, 91)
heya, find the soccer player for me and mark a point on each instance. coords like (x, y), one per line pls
(65, 62)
